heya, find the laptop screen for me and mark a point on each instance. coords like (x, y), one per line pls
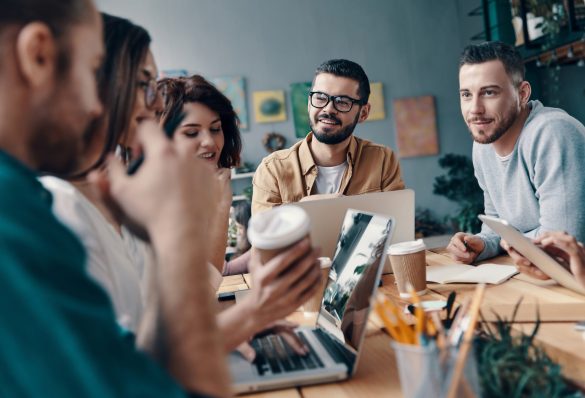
(354, 275)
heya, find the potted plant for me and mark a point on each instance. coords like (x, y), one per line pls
(460, 186)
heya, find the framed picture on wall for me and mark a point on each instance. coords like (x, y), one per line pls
(269, 106)
(299, 97)
(416, 126)
(235, 89)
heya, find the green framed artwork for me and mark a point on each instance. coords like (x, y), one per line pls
(235, 89)
(299, 94)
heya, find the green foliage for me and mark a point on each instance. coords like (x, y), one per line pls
(247, 192)
(510, 365)
(460, 186)
(427, 224)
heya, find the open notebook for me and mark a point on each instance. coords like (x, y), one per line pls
(459, 273)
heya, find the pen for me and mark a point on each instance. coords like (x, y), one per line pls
(467, 247)
(418, 311)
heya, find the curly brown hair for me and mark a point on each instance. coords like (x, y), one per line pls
(179, 91)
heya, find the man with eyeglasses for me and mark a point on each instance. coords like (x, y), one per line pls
(330, 160)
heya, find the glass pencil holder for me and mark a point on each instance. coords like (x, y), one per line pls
(426, 371)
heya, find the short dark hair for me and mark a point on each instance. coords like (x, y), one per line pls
(179, 91)
(126, 46)
(58, 15)
(495, 50)
(349, 69)
(243, 212)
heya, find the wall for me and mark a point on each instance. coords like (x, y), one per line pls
(411, 46)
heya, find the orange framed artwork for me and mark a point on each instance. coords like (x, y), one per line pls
(416, 126)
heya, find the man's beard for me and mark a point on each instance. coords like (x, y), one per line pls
(499, 130)
(333, 138)
(56, 146)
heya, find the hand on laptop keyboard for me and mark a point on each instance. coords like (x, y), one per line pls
(285, 330)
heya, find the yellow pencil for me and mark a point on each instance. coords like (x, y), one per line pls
(382, 313)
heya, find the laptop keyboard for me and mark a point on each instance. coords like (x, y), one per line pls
(335, 349)
(274, 355)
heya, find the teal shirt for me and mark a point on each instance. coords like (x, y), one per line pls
(58, 335)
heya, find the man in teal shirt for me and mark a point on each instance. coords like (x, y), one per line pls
(58, 336)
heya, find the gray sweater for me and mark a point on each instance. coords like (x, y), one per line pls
(540, 186)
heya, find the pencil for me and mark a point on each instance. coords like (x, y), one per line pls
(381, 311)
(467, 340)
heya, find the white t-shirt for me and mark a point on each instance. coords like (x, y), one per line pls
(329, 178)
(116, 261)
(120, 263)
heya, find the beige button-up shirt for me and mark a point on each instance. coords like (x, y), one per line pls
(288, 175)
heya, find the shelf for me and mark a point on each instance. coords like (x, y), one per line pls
(236, 176)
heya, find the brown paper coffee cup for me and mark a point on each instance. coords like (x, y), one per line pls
(408, 261)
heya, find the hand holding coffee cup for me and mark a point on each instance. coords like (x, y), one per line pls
(408, 261)
(272, 231)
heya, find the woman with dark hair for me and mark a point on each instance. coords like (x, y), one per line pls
(127, 88)
(210, 128)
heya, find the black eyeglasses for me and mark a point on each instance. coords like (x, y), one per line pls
(150, 92)
(342, 103)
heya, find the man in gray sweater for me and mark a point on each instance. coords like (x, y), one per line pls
(526, 156)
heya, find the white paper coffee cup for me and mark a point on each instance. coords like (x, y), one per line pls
(272, 231)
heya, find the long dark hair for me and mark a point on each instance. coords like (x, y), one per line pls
(179, 91)
(126, 48)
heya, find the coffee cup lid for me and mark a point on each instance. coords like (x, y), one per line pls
(414, 246)
(279, 227)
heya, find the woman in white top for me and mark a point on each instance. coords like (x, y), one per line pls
(127, 87)
(116, 259)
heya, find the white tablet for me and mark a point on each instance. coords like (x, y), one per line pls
(533, 253)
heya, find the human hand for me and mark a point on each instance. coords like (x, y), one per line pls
(567, 249)
(522, 263)
(171, 193)
(284, 329)
(223, 176)
(465, 247)
(282, 284)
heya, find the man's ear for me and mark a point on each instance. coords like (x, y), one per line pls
(364, 112)
(36, 54)
(524, 91)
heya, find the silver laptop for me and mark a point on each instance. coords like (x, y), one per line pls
(327, 214)
(336, 341)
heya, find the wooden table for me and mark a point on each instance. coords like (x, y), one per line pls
(377, 374)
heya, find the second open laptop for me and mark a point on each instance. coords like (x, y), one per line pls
(336, 342)
(327, 215)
